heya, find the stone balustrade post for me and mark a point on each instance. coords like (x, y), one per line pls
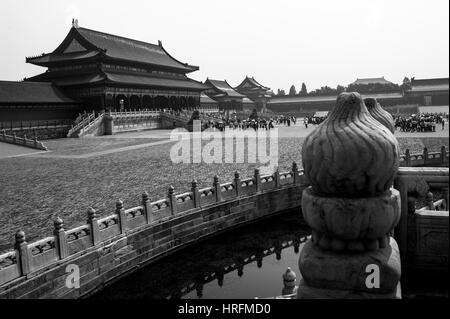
(35, 141)
(60, 239)
(429, 200)
(22, 253)
(172, 200)
(93, 226)
(195, 194)
(120, 211)
(351, 253)
(147, 208)
(24, 139)
(407, 158)
(276, 177)
(237, 184)
(289, 282)
(257, 178)
(446, 197)
(14, 137)
(425, 155)
(295, 173)
(443, 155)
(217, 189)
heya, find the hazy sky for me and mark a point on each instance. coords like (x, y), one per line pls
(278, 42)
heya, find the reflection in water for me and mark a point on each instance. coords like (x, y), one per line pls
(245, 263)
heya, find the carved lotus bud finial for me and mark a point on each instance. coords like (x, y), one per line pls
(379, 114)
(350, 154)
(20, 237)
(119, 204)
(171, 190)
(216, 179)
(58, 223)
(194, 183)
(91, 213)
(289, 275)
(145, 196)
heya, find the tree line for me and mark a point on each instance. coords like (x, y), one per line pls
(361, 88)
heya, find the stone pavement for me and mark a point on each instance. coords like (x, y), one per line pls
(11, 150)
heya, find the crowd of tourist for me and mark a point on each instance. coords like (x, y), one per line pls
(220, 122)
(421, 122)
(315, 120)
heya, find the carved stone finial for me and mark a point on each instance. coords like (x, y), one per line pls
(236, 175)
(91, 213)
(289, 276)
(350, 161)
(379, 114)
(20, 237)
(194, 184)
(216, 179)
(58, 223)
(171, 190)
(145, 196)
(119, 204)
(350, 154)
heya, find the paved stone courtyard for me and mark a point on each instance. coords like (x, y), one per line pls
(78, 173)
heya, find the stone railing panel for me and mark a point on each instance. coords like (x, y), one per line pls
(248, 186)
(286, 178)
(267, 182)
(109, 227)
(207, 196)
(135, 217)
(78, 239)
(185, 202)
(160, 209)
(228, 191)
(9, 268)
(42, 253)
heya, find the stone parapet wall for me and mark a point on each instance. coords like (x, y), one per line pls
(107, 248)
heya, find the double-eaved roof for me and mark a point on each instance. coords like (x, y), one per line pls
(251, 83)
(32, 93)
(82, 44)
(223, 89)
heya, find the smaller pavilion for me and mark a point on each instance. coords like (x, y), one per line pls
(256, 92)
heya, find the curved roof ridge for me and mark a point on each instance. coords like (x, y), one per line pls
(195, 68)
(114, 36)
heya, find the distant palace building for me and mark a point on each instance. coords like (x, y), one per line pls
(106, 71)
(34, 101)
(222, 92)
(367, 81)
(256, 92)
(429, 92)
(424, 92)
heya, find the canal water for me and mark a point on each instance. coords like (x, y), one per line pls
(247, 262)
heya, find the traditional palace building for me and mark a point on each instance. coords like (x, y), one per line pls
(106, 71)
(429, 92)
(255, 91)
(92, 70)
(222, 92)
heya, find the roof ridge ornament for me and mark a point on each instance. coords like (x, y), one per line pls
(75, 23)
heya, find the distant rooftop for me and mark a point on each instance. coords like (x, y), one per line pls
(365, 81)
(422, 85)
(223, 87)
(31, 92)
